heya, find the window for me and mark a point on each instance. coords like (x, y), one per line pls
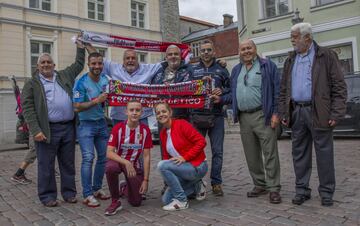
(137, 14)
(36, 49)
(325, 2)
(142, 57)
(279, 60)
(345, 55)
(195, 47)
(96, 9)
(40, 4)
(102, 51)
(274, 8)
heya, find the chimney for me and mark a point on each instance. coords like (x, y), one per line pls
(228, 19)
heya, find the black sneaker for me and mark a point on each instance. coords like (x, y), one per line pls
(327, 201)
(21, 179)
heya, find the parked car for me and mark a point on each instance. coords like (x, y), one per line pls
(350, 125)
(153, 125)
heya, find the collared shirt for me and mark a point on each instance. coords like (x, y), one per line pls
(301, 84)
(59, 104)
(85, 90)
(142, 75)
(248, 90)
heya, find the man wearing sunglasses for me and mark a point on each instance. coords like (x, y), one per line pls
(213, 118)
(254, 96)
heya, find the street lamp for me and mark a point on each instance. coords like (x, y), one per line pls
(297, 19)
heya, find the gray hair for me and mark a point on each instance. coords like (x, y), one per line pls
(303, 28)
(172, 46)
(43, 55)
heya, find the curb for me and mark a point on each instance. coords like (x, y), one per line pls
(13, 147)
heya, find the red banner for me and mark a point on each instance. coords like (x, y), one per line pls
(149, 101)
(192, 94)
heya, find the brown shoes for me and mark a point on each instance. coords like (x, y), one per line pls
(52, 203)
(217, 190)
(275, 197)
(72, 200)
(256, 192)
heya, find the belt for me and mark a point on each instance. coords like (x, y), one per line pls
(302, 103)
(62, 122)
(252, 110)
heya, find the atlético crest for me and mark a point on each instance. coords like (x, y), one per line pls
(139, 136)
(76, 94)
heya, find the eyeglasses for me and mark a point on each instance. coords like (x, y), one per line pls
(246, 76)
(245, 79)
(206, 50)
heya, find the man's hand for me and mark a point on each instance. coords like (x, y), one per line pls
(215, 98)
(274, 121)
(206, 77)
(178, 160)
(144, 187)
(131, 172)
(40, 137)
(217, 91)
(222, 63)
(101, 98)
(79, 43)
(285, 122)
(332, 123)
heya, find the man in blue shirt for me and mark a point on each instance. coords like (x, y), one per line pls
(254, 96)
(312, 101)
(89, 97)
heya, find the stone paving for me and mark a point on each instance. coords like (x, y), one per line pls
(19, 204)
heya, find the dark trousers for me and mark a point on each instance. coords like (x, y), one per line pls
(303, 136)
(216, 136)
(62, 146)
(113, 169)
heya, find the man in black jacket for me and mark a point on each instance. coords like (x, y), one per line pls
(211, 121)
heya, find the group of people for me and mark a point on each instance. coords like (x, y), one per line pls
(310, 99)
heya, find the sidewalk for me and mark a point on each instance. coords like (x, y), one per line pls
(19, 204)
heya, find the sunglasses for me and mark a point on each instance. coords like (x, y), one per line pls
(206, 50)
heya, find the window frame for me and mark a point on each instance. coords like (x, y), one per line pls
(96, 10)
(40, 5)
(145, 19)
(262, 10)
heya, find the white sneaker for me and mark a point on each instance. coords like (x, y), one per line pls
(91, 201)
(201, 195)
(176, 205)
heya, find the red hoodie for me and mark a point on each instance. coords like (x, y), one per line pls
(187, 141)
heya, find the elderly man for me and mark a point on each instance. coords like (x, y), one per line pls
(48, 109)
(312, 101)
(214, 118)
(254, 96)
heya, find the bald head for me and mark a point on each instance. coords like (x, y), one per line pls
(173, 57)
(247, 51)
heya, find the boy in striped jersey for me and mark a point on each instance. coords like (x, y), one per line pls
(126, 143)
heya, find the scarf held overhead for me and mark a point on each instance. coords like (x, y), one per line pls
(132, 43)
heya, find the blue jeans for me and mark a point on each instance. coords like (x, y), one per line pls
(183, 180)
(92, 134)
(216, 136)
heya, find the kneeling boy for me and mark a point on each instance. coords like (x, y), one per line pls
(126, 143)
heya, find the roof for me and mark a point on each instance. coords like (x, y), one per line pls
(193, 20)
(208, 32)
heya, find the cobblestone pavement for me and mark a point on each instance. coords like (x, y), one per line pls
(19, 204)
